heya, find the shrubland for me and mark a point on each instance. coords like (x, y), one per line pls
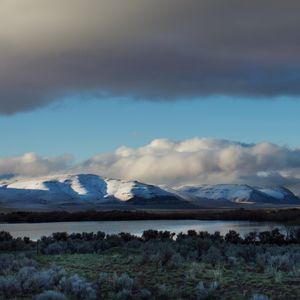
(156, 265)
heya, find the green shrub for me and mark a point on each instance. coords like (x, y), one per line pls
(122, 282)
(51, 295)
(259, 297)
(9, 287)
(78, 287)
(203, 291)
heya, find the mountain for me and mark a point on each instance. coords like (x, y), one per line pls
(84, 191)
(88, 191)
(239, 194)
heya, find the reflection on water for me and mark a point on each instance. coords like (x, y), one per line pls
(35, 231)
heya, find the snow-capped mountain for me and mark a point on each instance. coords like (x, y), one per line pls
(240, 193)
(81, 189)
(88, 191)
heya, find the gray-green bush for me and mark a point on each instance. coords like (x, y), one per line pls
(51, 295)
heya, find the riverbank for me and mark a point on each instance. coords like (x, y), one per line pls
(288, 216)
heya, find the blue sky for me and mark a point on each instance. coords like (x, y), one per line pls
(84, 128)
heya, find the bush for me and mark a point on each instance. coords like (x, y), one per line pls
(163, 292)
(124, 294)
(259, 297)
(78, 288)
(8, 243)
(55, 248)
(13, 263)
(213, 256)
(233, 237)
(285, 262)
(162, 254)
(176, 261)
(9, 287)
(103, 278)
(122, 282)
(26, 280)
(5, 236)
(203, 291)
(194, 271)
(33, 281)
(51, 295)
(144, 294)
(60, 236)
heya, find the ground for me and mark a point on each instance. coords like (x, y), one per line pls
(239, 282)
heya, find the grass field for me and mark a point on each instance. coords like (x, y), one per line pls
(236, 282)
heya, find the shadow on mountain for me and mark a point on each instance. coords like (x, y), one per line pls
(161, 202)
(94, 185)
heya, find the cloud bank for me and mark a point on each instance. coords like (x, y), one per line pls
(152, 50)
(31, 164)
(193, 161)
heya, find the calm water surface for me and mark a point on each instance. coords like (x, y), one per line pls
(35, 231)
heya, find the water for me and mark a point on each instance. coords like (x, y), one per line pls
(36, 230)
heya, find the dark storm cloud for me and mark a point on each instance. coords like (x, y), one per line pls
(147, 49)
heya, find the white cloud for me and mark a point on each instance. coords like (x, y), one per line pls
(31, 164)
(198, 161)
(163, 161)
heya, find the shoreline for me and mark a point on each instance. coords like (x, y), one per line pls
(287, 215)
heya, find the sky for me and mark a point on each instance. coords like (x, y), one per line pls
(162, 91)
(84, 128)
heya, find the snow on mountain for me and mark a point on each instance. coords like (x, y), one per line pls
(279, 193)
(219, 192)
(92, 191)
(240, 193)
(83, 189)
(126, 190)
(55, 187)
(84, 186)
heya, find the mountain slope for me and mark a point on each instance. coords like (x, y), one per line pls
(240, 193)
(88, 191)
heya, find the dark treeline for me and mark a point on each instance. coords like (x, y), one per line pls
(288, 215)
(8, 243)
(64, 243)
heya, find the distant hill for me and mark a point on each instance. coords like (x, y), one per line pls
(239, 194)
(88, 191)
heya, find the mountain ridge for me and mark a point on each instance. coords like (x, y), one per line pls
(82, 191)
